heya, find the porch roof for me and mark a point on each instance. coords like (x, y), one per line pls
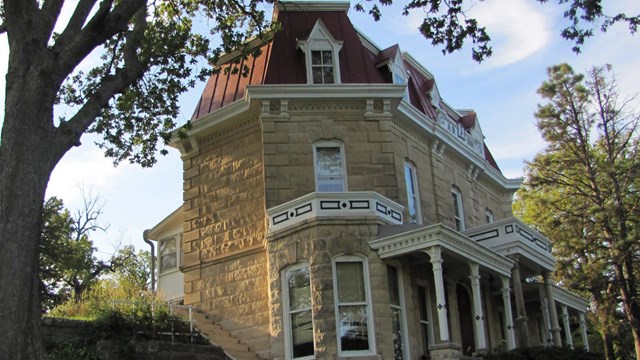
(397, 240)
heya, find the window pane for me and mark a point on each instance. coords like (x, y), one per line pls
(350, 282)
(329, 161)
(316, 57)
(394, 293)
(327, 73)
(333, 185)
(167, 246)
(299, 289)
(168, 261)
(327, 58)
(317, 75)
(302, 334)
(353, 328)
(397, 333)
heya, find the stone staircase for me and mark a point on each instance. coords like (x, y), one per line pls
(218, 336)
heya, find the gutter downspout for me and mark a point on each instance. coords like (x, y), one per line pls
(145, 237)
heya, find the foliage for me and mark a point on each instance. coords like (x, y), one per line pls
(544, 353)
(66, 351)
(582, 191)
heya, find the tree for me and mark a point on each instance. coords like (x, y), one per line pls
(583, 191)
(68, 265)
(149, 52)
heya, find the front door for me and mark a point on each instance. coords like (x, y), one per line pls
(466, 320)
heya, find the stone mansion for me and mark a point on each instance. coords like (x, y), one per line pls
(335, 206)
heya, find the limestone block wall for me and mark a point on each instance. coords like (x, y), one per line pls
(317, 243)
(224, 263)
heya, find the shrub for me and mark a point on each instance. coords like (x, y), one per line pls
(545, 353)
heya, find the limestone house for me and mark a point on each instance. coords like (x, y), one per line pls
(335, 206)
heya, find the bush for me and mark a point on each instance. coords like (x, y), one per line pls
(545, 353)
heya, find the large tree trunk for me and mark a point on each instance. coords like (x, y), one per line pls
(607, 343)
(29, 151)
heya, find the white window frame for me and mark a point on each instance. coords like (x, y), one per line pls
(399, 75)
(402, 308)
(177, 254)
(458, 204)
(413, 193)
(286, 312)
(489, 216)
(318, 177)
(367, 303)
(428, 322)
(320, 39)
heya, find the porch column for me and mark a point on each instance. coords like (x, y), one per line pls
(481, 341)
(553, 313)
(521, 317)
(583, 331)
(508, 314)
(567, 326)
(544, 309)
(435, 254)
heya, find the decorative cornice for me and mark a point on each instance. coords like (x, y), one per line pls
(423, 239)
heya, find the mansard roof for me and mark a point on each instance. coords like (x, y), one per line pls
(282, 62)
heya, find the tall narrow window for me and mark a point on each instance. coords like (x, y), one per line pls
(458, 208)
(329, 166)
(397, 313)
(353, 306)
(322, 66)
(489, 216)
(413, 200)
(168, 255)
(425, 326)
(297, 307)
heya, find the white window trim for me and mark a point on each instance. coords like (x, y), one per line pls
(320, 39)
(489, 216)
(330, 143)
(396, 66)
(367, 290)
(403, 312)
(429, 321)
(286, 312)
(458, 216)
(176, 238)
(415, 194)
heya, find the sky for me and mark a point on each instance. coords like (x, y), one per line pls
(502, 90)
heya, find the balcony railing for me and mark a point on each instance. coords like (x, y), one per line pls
(334, 205)
(511, 236)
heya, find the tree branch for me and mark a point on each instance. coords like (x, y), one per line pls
(48, 17)
(78, 19)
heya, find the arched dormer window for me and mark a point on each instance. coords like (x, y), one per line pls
(321, 55)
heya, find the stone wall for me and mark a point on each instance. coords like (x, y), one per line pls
(224, 261)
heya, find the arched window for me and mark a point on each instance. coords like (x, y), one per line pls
(321, 55)
(489, 216)
(298, 320)
(458, 208)
(329, 166)
(413, 199)
(354, 320)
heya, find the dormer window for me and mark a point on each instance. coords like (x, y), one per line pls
(321, 55)
(322, 67)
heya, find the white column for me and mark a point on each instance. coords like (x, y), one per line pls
(553, 313)
(521, 318)
(508, 314)
(567, 326)
(583, 331)
(436, 261)
(481, 341)
(544, 308)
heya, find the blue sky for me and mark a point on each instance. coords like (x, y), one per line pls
(502, 90)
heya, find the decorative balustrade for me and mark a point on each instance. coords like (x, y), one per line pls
(334, 205)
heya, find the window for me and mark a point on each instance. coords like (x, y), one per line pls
(296, 302)
(354, 321)
(425, 325)
(168, 255)
(489, 216)
(321, 55)
(458, 211)
(329, 166)
(413, 200)
(322, 67)
(397, 313)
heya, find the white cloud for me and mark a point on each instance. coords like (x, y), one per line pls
(518, 29)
